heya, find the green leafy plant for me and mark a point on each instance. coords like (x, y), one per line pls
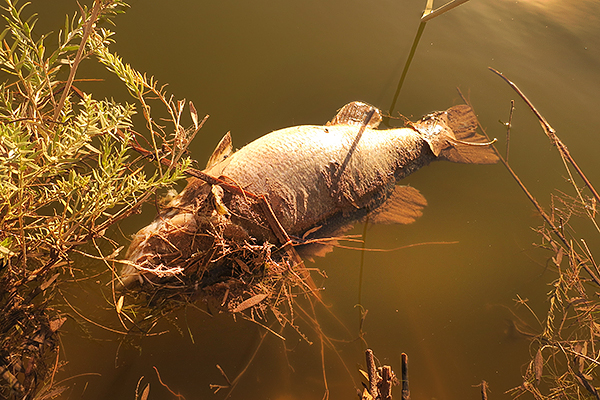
(71, 166)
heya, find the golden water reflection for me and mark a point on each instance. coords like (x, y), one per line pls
(259, 67)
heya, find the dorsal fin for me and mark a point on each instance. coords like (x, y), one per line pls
(221, 152)
(404, 206)
(355, 113)
(452, 135)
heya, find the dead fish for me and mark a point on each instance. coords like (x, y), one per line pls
(319, 180)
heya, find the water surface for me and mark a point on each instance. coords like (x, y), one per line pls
(264, 65)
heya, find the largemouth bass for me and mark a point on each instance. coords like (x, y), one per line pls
(318, 180)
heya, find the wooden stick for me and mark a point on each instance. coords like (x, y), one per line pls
(508, 126)
(372, 372)
(551, 133)
(385, 386)
(88, 27)
(411, 55)
(484, 390)
(404, 378)
(354, 144)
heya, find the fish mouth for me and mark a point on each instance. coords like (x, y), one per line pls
(166, 248)
(185, 256)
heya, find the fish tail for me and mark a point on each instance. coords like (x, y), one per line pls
(459, 141)
(472, 147)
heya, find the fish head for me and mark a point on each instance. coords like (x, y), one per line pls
(183, 232)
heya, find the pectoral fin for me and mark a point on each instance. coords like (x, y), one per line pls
(404, 206)
(320, 247)
(310, 251)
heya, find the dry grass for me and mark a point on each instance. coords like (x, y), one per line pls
(564, 346)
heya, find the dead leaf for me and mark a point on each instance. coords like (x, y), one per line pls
(243, 265)
(194, 114)
(538, 366)
(366, 395)
(145, 393)
(49, 282)
(364, 374)
(252, 301)
(559, 256)
(120, 304)
(115, 253)
(55, 324)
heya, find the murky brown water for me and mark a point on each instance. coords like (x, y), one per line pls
(263, 65)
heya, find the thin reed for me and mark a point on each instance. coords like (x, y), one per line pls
(565, 351)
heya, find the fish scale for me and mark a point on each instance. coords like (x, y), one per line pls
(300, 164)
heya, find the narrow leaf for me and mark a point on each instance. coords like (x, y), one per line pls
(145, 393)
(252, 301)
(194, 114)
(120, 304)
(538, 366)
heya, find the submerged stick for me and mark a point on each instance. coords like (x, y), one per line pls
(484, 390)
(177, 395)
(233, 384)
(381, 380)
(361, 312)
(372, 372)
(387, 381)
(364, 234)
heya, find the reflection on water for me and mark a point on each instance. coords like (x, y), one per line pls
(578, 18)
(259, 67)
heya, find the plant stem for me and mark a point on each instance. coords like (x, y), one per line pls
(439, 11)
(551, 133)
(87, 30)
